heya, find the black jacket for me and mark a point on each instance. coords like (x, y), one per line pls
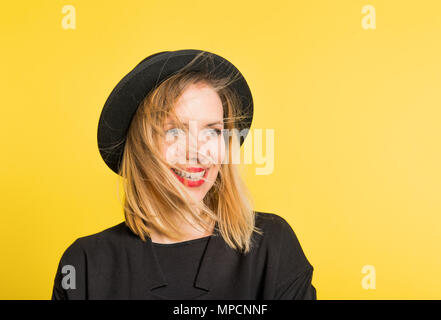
(117, 264)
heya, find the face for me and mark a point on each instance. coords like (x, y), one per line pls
(198, 151)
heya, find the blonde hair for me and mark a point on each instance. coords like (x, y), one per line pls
(153, 195)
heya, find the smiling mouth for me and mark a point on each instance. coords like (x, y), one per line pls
(191, 176)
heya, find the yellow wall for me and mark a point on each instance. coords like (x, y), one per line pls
(356, 114)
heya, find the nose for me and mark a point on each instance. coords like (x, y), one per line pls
(192, 152)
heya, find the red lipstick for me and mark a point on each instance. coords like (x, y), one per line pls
(191, 183)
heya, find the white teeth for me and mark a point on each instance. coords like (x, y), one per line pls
(194, 176)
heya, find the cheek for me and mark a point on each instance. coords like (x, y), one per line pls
(214, 172)
(173, 153)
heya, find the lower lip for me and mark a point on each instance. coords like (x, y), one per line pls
(191, 183)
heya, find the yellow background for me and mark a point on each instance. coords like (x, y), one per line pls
(356, 115)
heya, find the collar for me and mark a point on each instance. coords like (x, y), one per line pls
(155, 278)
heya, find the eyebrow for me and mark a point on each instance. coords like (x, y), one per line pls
(186, 125)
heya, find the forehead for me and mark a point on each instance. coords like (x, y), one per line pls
(199, 102)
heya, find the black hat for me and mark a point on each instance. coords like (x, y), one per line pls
(125, 98)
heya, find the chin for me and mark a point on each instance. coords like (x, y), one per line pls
(197, 195)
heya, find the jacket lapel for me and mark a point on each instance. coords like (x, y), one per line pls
(155, 278)
(204, 275)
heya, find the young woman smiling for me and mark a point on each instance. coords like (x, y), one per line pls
(169, 128)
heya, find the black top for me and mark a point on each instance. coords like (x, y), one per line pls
(187, 255)
(117, 264)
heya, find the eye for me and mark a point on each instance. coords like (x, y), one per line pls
(174, 132)
(213, 132)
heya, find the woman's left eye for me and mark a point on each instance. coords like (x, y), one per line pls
(214, 131)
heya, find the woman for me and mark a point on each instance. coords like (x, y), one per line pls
(170, 128)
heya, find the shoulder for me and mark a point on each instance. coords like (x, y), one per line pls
(84, 259)
(279, 236)
(271, 222)
(275, 230)
(111, 238)
(117, 233)
(268, 218)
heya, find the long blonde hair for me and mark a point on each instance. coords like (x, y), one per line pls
(153, 195)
